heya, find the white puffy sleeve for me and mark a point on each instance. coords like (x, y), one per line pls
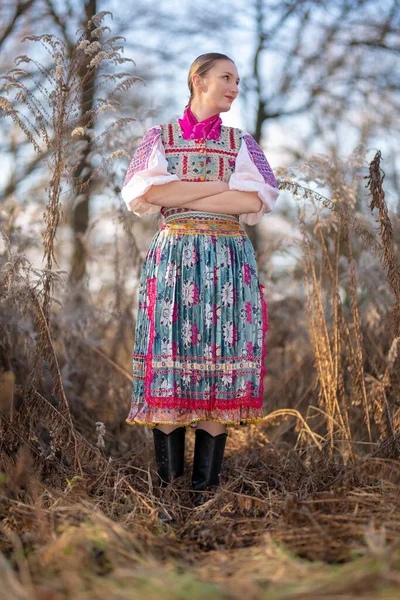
(253, 174)
(148, 167)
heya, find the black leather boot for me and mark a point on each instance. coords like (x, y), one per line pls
(170, 452)
(207, 463)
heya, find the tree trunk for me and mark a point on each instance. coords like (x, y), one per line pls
(80, 213)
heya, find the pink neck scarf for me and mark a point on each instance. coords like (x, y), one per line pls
(192, 129)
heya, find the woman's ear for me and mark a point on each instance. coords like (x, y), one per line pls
(197, 81)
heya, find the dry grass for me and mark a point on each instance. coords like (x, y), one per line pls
(309, 502)
(278, 528)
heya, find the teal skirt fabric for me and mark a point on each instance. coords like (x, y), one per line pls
(200, 338)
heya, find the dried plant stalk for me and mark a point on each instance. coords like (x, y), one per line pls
(389, 263)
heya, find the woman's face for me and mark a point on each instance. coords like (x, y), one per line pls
(219, 88)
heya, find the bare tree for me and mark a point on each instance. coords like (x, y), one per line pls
(330, 63)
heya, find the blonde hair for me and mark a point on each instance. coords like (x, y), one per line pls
(201, 66)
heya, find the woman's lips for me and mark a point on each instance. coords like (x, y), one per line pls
(230, 98)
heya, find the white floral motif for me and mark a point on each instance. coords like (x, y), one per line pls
(227, 294)
(208, 315)
(239, 241)
(165, 387)
(208, 276)
(166, 347)
(170, 273)
(189, 254)
(224, 255)
(188, 293)
(167, 311)
(186, 379)
(186, 333)
(243, 314)
(207, 351)
(227, 330)
(227, 254)
(206, 241)
(260, 333)
(226, 380)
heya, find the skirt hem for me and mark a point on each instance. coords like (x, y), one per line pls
(192, 421)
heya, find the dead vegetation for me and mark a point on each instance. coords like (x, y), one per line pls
(309, 505)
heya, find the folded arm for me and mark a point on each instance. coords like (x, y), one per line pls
(231, 202)
(179, 193)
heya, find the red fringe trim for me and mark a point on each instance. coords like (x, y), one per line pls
(264, 309)
(211, 404)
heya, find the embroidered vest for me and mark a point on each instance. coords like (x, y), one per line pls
(199, 160)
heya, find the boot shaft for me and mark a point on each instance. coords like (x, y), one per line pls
(170, 453)
(208, 457)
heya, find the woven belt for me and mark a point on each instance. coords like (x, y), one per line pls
(196, 222)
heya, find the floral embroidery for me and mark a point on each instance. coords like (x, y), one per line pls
(188, 293)
(208, 315)
(227, 330)
(208, 276)
(166, 312)
(212, 159)
(189, 255)
(187, 333)
(166, 347)
(170, 273)
(258, 158)
(227, 294)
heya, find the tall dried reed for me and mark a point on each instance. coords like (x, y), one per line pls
(338, 344)
(50, 110)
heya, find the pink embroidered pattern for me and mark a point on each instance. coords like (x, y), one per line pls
(140, 159)
(152, 296)
(258, 158)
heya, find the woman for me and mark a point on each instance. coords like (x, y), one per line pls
(202, 318)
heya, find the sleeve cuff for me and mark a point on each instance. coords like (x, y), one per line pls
(155, 173)
(266, 193)
(248, 178)
(135, 189)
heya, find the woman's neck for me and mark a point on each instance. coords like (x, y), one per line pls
(202, 112)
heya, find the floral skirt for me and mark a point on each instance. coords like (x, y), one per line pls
(199, 347)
